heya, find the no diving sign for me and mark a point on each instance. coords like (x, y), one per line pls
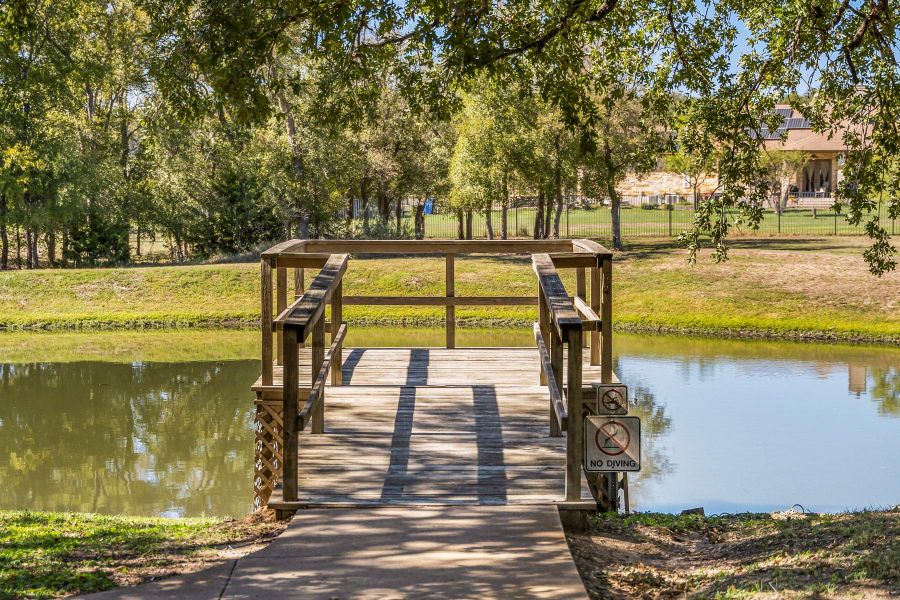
(612, 399)
(612, 444)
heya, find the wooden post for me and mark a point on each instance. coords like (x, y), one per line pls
(581, 292)
(280, 305)
(337, 310)
(596, 293)
(290, 401)
(298, 283)
(451, 310)
(299, 286)
(265, 320)
(543, 318)
(556, 359)
(317, 423)
(606, 317)
(574, 433)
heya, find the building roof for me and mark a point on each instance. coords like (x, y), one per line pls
(799, 134)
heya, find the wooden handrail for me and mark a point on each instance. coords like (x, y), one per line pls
(315, 393)
(557, 401)
(562, 312)
(305, 311)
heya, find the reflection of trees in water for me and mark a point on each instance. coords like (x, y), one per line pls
(121, 438)
(886, 390)
(655, 424)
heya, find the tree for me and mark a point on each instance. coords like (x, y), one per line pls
(624, 141)
(782, 167)
(694, 162)
(431, 48)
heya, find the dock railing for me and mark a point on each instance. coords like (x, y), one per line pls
(561, 327)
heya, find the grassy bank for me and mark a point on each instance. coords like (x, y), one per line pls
(854, 555)
(803, 289)
(48, 555)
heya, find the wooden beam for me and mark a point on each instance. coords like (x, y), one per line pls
(265, 284)
(316, 392)
(575, 431)
(438, 246)
(303, 313)
(600, 251)
(596, 292)
(606, 351)
(450, 290)
(558, 412)
(271, 254)
(301, 260)
(571, 260)
(562, 313)
(439, 300)
(280, 305)
(289, 405)
(337, 315)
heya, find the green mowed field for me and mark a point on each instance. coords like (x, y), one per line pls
(798, 288)
(638, 222)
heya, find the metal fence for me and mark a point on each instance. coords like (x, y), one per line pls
(664, 216)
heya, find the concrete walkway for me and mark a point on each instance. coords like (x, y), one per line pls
(395, 552)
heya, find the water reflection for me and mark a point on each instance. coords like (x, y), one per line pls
(728, 425)
(142, 438)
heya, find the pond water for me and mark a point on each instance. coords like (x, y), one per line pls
(159, 423)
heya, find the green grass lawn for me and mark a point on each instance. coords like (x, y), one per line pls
(47, 555)
(787, 555)
(786, 288)
(641, 223)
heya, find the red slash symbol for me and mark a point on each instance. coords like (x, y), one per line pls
(614, 439)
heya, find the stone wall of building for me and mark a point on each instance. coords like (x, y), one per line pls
(659, 183)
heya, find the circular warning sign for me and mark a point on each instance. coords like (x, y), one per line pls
(612, 400)
(612, 438)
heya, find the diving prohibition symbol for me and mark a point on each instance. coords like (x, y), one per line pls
(612, 444)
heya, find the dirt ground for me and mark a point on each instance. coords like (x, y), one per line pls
(784, 555)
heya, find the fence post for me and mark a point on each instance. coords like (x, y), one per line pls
(567, 218)
(778, 213)
(835, 222)
(671, 210)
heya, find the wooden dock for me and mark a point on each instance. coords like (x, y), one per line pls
(434, 426)
(428, 425)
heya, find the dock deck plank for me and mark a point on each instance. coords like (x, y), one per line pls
(434, 426)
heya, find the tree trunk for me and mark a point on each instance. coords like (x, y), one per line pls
(4, 246)
(460, 233)
(18, 248)
(399, 216)
(420, 220)
(548, 216)
(296, 164)
(364, 200)
(539, 217)
(4, 235)
(614, 205)
(558, 215)
(349, 217)
(469, 220)
(504, 209)
(50, 240)
(488, 223)
(64, 250)
(29, 255)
